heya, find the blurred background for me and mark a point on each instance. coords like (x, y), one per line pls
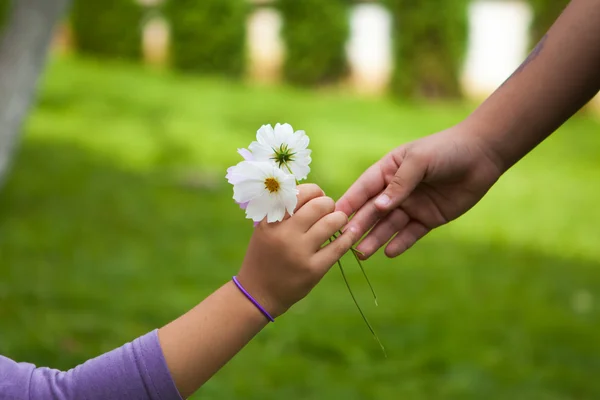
(115, 216)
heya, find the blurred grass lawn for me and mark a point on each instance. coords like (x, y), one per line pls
(117, 218)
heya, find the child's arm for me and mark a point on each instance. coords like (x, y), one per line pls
(199, 343)
(135, 371)
(283, 263)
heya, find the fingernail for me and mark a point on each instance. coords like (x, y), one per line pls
(382, 200)
(361, 254)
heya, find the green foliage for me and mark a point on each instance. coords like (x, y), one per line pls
(208, 35)
(545, 12)
(108, 28)
(4, 9)
(101, 241)
(430, 39)
(315, 32)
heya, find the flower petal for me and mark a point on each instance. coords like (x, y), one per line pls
(301, 140)
(249, 190)
(246, 154)
(276, 210)
(266, 169)
(248, 179)
(261, 152)
(233, 176)
(246, 191)
(266, 136)
(288, 194)
(252, 169)
(258, 208)
(289, 198)
(283, 130)
(300, 171)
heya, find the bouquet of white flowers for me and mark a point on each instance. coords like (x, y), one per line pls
(264, 184)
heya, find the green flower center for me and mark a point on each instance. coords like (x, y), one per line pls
(283, 155)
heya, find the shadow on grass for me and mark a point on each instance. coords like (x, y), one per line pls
(93, 255)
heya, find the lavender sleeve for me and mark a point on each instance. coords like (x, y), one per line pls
(137, 370)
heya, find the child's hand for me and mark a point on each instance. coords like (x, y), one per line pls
(285, 260)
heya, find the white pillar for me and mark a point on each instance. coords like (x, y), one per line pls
(498, 43)
(369, 49)
(155, 41)
(265, 46)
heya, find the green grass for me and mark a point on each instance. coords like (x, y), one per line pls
(117, 218)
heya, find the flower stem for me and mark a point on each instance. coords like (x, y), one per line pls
(339, 263)
(355, 253)
(291, 173)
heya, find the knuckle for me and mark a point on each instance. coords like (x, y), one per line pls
(341, 246)
(315, 273)
(328, 204)
(333, 222)
(399, 248)
(403, 246)
(274, 236)
(417, 157)
(323, 204)
(397, 219)
(339, 219)
(311, 189)
(397, 180)
(312, 264)
(352, 234)
(295, 253)
(315, 268)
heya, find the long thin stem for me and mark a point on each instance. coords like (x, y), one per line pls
(364, 317)
(339, 263)
(355, 254)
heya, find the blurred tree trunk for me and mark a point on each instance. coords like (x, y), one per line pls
(26, 38)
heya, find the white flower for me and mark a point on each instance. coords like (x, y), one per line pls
(231, 171)
(284, 147)
(266, 190)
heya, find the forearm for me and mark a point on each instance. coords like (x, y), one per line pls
(200, 342)
(556, 80)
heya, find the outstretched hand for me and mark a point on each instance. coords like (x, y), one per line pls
(418, 187)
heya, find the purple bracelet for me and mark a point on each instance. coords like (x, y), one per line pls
(262, 310)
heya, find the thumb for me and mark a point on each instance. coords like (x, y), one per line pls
(406, 179)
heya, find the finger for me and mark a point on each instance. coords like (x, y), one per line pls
(406, 238)
(385, 229)
(312, 212)
(307, 192)
(326, 227)
(331, 253)
(365, 218)
(368, 185)
(409, 175)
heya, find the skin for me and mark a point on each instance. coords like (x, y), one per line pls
(284, 261)
(424, 184)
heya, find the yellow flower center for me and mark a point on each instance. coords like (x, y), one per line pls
(272, 185)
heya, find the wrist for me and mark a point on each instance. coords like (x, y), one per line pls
(258, 297)
(489, 139)
(244, 305)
